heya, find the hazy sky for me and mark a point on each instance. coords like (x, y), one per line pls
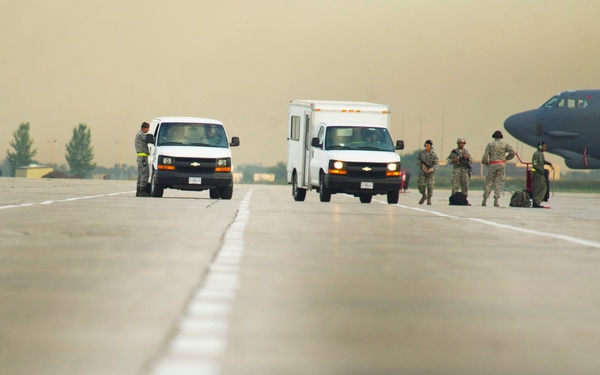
(448, 69)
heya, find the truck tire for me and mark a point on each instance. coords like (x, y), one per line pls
(214, 193)
(298, 193)
(365, 198)
(156, 190)
(324, 193)
(226, 192)
(392, 196)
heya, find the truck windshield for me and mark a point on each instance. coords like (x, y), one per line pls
(187, 134)
(358, 138)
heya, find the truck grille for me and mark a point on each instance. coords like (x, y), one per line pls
(194, 165)
(366, 170)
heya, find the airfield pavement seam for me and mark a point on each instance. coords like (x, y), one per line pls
(201, 337)
(575, 240)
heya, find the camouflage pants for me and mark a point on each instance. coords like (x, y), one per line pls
(143, 171)
(460, 181)
(425, 182)
(494, 177)
(538, 187)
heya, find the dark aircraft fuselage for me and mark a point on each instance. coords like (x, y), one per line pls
(568, 122)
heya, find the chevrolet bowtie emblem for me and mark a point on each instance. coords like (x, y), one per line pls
(195, 164)
(366, 169)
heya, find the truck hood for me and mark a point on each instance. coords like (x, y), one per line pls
(365, 156)
(193, 151)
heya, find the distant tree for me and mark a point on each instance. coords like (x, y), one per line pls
(80, 152)
(21, 144)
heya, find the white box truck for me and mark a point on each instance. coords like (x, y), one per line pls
(342, 147)
(190, 153)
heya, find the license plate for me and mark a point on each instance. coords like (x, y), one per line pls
(366, 185)
(195, 180)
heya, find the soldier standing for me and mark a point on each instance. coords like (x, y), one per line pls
(141, 147)
(538, 175)
(495, 156)
(461, 162)
(428, 162)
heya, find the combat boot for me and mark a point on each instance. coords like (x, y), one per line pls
(141, 192)
(496, 204)
(429, 201)
(484, 201)
(423, 198)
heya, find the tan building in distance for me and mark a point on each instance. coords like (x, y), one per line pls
(34, 170)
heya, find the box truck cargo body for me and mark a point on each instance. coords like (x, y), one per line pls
(342, 147)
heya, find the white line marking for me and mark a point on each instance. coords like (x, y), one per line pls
(64, 200)
(563, 237)
(575, 240)
(201, 337)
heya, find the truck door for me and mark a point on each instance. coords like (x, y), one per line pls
(306, 151)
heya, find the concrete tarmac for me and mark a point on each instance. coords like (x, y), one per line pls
(96, 281)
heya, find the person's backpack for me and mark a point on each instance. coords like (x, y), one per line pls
(458, 199)
(520, 198)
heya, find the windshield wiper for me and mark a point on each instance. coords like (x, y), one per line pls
(202, 144)
(338, 147)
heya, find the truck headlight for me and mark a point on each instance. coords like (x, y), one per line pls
(393, 170)
(223, 165)
(337, 167)
(165, 163)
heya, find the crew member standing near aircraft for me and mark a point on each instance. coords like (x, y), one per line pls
(141, 147)
(461, 163)
(495, 156)
(538, 175)
(428, 162)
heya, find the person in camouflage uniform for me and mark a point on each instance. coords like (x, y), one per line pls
(143, 151)
(461, 163)
(428, 163)
(538, 175)
(495, 156)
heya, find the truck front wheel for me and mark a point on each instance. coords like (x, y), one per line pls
(324, 193)
(214, 193)
(392, 196)
(156, 190)
(226, 192)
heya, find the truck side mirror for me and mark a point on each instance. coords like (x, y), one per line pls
(235, 141)
(150, 138)
(315, 142)
(399, 145)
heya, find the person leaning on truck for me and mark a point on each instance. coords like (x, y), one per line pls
(495, 156)
(141, 147)
(538, 175)
(428, 162)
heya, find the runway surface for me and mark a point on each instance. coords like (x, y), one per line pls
(96, 281)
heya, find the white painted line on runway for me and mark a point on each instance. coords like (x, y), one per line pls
(65, 200)
(17, 205)
(563, 237)
(201, 337)
(575, 240)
